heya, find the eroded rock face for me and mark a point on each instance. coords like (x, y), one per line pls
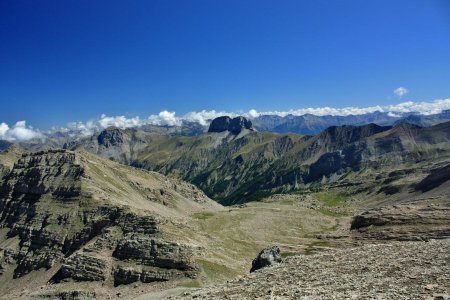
(82, 267)
(226, 123)
(75, 294)
(53, 172)
(434, 179)
(152, 252)
(111, 137)
(266, 258)
(403, 222)
(140, 224)
(130, 274)
(54, 221)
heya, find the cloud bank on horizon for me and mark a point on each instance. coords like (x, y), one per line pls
(18, 132)
(21, 132)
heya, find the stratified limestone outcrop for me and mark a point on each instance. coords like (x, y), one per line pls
(148, 259)
(403, 222)
(84, 268)
(50, 218)
(130, 274)
(151, 252)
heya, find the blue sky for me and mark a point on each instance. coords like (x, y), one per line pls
(71, 60)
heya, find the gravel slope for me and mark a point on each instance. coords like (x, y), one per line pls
(395, 270)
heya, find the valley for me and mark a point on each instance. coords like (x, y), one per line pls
(98, 221)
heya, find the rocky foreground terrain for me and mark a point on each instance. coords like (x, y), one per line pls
(395, 270)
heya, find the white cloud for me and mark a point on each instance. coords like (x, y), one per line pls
(394, 115)
(424, 108)
(80, 128)
(19, 132)
(164, 118)
(252, 113)
(401, 91)
(203, 117)
(324, 111)
(118, 121)
(3, 129)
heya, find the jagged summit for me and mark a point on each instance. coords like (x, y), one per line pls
(111, 136)
(235, 125)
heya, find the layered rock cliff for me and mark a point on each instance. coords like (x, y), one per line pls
(84, 219)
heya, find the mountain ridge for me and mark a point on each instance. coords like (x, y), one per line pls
(261, 161)
(86, 219)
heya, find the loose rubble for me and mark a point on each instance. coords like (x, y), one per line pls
(395, 270)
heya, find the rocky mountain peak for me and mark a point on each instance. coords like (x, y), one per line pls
(235, 125)
(111, 136)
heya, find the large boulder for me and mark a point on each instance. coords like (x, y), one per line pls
(267, 257)
(225, 123)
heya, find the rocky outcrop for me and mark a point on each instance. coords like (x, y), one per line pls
(130, 274)
(112, 136)
(38, 178)
(139, 224)
(54, 172)
(148, 259)
(81, 267)
(153, 252)
(403, 222)
(434, 179)
(266, 258)
(48, 217)
(225, 123)
(76, 294)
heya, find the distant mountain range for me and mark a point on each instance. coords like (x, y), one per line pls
(307, 124)
(312, 124)
(235, 167)
(239, 165)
